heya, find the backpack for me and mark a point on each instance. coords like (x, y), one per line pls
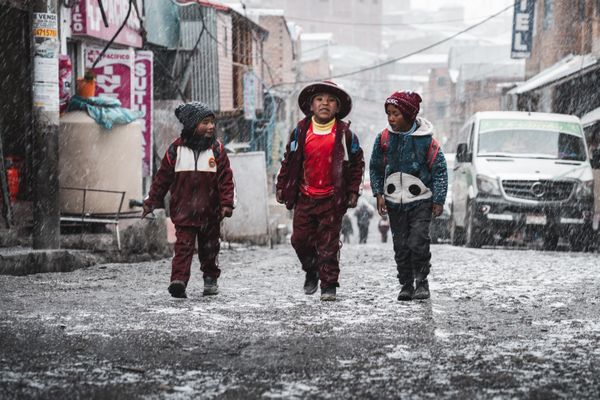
(432, 151)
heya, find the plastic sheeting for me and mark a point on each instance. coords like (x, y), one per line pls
(106, 111)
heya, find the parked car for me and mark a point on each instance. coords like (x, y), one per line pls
(439, 229)
(522, 172)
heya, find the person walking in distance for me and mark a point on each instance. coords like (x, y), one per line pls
(364, 212)
(384, 227)
(320, 178)
(347, 229)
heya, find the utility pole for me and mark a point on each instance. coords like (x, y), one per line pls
(45, 50)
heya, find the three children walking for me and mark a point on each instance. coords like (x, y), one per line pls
(320, 178)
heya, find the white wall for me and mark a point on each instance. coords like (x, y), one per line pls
(250, 220)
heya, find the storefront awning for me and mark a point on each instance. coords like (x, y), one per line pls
(562, 69)
(591, 118)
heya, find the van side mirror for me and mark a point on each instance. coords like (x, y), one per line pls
(596, 159)
(462, 153)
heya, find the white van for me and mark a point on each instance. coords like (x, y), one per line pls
(522, 172)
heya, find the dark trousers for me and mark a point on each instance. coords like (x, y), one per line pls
(410, 234)
(316, 237)
(363, 232)
(208, 251)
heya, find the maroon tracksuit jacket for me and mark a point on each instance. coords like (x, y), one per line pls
(317, 222)
(200, 183)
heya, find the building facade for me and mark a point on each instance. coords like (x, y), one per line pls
(563, 70)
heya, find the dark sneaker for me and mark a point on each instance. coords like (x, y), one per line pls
(422, 290)
(177, 289)
(210, 286)
(406, 293)
(328, 293)
(311, 283)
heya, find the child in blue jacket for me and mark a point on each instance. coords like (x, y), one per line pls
(410, 180)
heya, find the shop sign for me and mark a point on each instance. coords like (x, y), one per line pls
(522, 28)
(114, 73)
(143, 101)
(87, 20)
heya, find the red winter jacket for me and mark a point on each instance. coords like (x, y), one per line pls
(200, 184)
(347, 168)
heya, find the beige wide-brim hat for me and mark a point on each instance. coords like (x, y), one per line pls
(307, 94)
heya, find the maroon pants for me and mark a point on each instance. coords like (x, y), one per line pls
(316, 237)
(208, 250)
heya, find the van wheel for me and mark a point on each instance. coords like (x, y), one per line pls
(473, 237)
(579, 240)
(457, 235)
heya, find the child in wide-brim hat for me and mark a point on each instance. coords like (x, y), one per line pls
(320, 179)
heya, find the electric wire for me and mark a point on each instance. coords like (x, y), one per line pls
(114, 36)
(421, 50)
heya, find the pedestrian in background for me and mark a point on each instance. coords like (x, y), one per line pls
(347, 229)
(195, 170)
(409, 178)
(364, 212)
(320, 178)
(384, 227)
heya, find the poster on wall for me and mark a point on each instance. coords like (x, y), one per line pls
(114, 73)
(45, 61)
(143, 101)
(249, 96)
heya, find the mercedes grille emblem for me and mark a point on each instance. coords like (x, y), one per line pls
(537, 189)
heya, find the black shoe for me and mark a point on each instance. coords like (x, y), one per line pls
(422, 290)
(328, 293)
(311, 283)
(210, 286)
(177, 290)
(406, 293)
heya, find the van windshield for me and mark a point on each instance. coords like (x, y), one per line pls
(528, 143)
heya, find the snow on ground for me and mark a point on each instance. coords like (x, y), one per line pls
(501, 323)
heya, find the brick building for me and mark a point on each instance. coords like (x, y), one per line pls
(564, 68)
(563, 28)
(437, 100)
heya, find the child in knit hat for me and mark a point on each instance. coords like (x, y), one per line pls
(410, 180)
(195, 170)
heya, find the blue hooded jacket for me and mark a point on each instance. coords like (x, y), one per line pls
(407, 153)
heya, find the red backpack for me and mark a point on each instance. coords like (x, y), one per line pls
(432, 151)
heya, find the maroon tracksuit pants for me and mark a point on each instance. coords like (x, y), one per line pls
(208, 251)
(316, 237)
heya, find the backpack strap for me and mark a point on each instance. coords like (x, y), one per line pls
(432, 152)
(384, 141)
(217, 149)
(349, 137)
(171, 153)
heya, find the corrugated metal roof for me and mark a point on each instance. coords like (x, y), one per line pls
(204, 61)
(204, 3)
